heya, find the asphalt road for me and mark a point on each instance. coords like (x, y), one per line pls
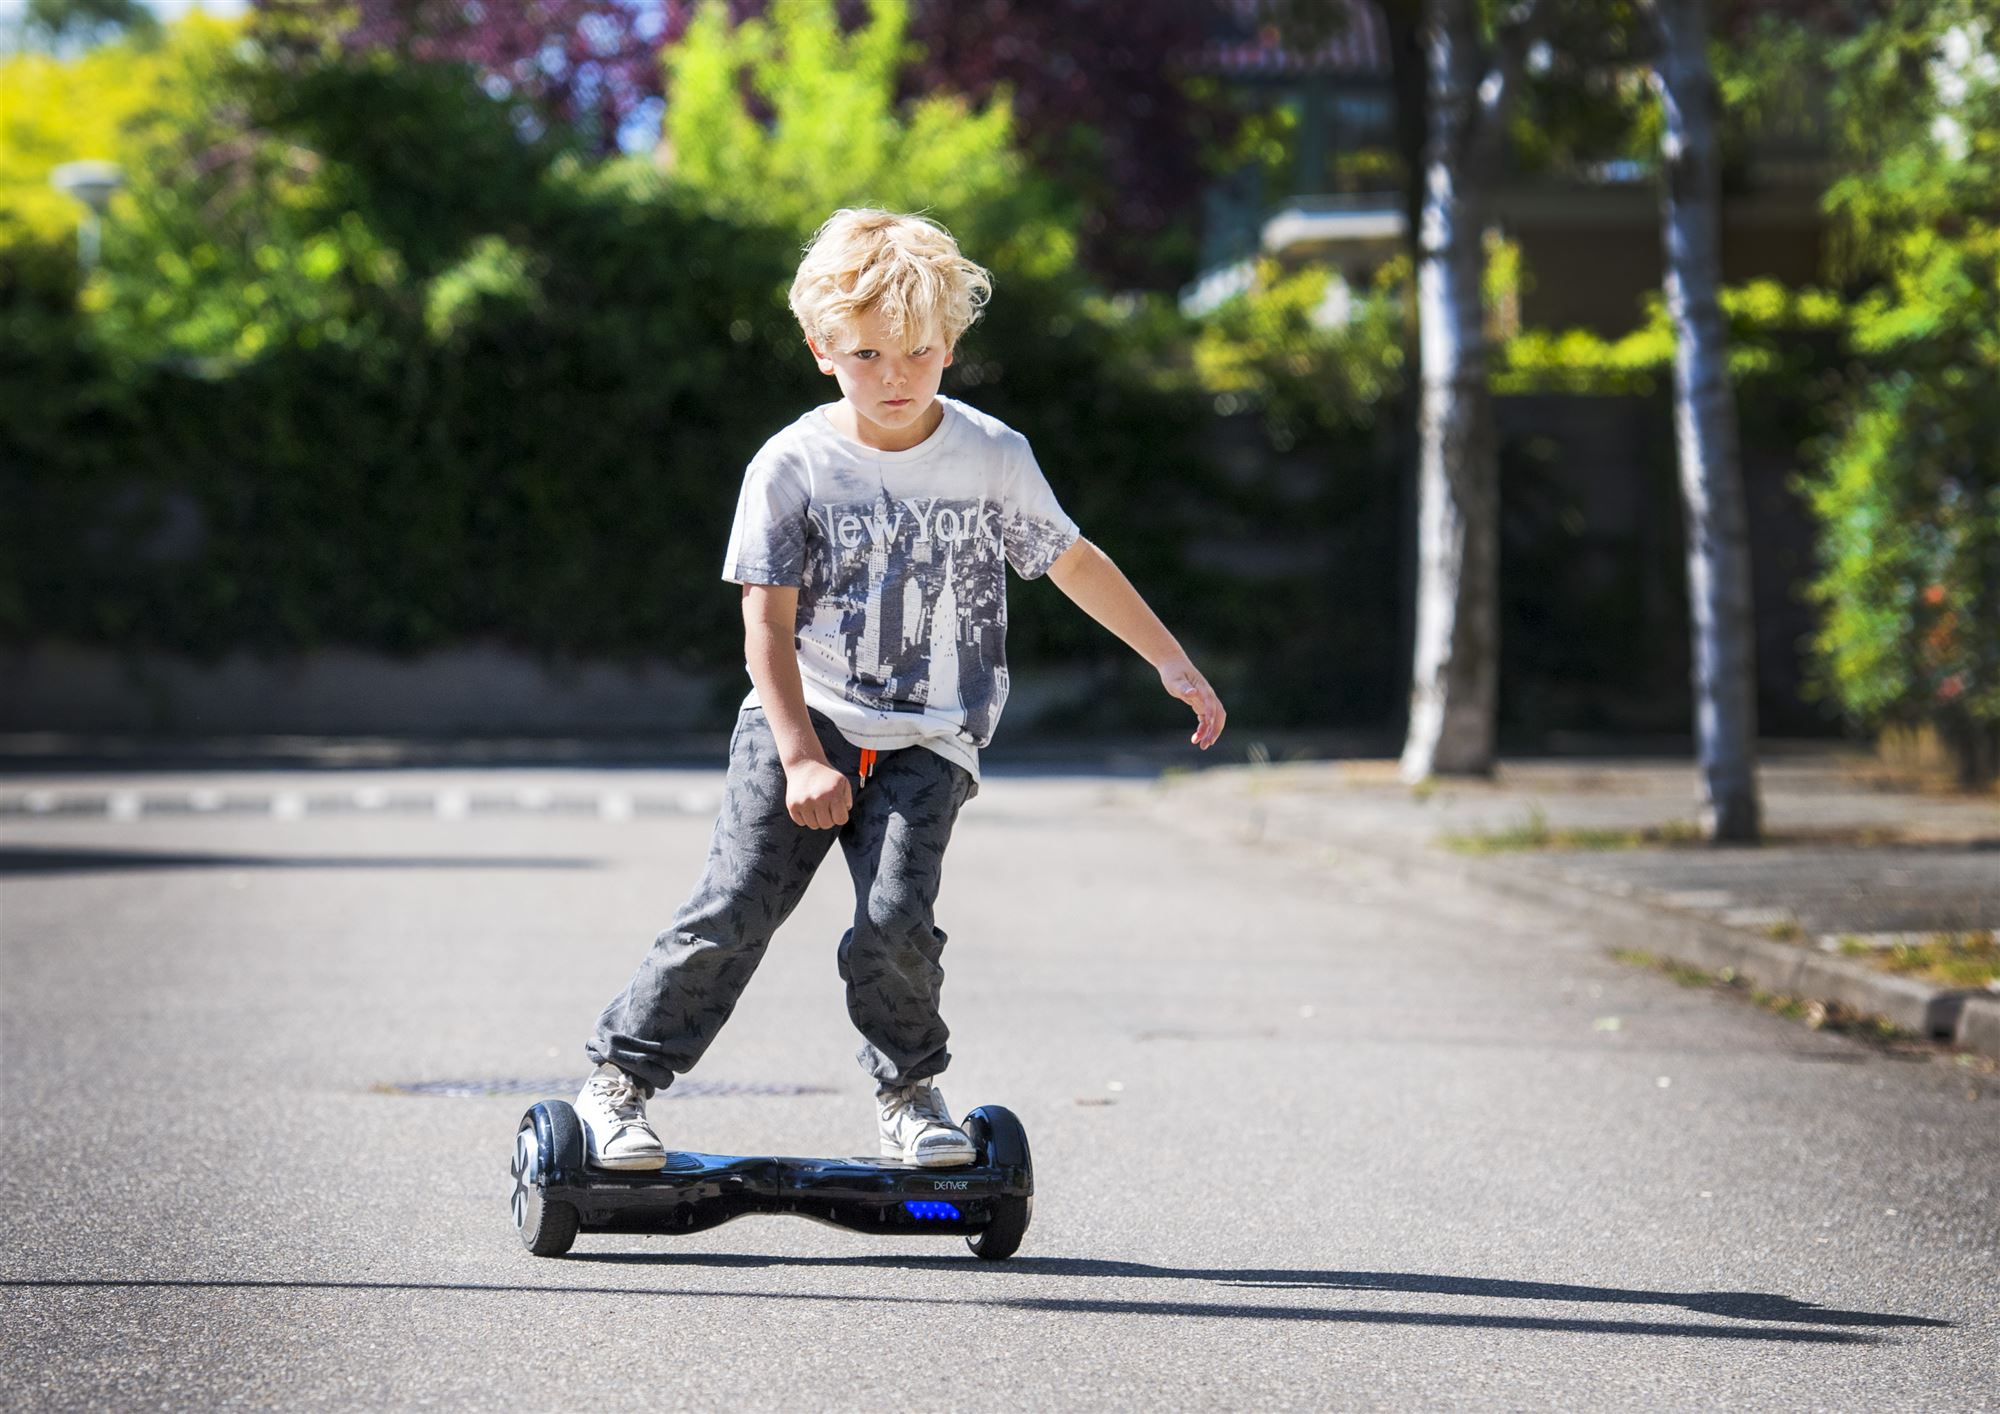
(1306, 1135)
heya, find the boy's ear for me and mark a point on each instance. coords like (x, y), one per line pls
(825, 363)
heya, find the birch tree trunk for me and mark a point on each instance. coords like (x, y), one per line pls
(1455, 664)
(1711, 476)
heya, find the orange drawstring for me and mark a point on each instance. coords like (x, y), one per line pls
(867, 764)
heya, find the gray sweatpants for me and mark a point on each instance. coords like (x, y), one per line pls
(759, 863)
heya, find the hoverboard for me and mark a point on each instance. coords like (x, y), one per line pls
(557, 1194)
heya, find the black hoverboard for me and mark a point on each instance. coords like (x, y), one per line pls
(556, 1195)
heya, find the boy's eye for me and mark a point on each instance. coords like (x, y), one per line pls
(919, 353)
(864, 354)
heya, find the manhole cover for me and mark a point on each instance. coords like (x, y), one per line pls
(568, 1085)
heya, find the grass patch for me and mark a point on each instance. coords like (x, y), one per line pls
(1820, 1016)
(1783, 930)
(1533, 831)
(1948, 959)
(1681, 972)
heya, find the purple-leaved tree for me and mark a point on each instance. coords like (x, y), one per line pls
(588, 67)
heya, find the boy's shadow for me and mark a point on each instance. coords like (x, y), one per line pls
(1735, 1305)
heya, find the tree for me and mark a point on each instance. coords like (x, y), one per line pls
(1711, 475)
(1100, 100)
(1908, 494)
(63, 24)
(1101, 104)
(1455, 672)
(747, 134)
(93, 104)
(586, 68)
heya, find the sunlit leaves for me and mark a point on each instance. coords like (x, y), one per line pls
(785, 118)
(93, 105)
(1765, 318)
(1305, 350)
(1908, 494)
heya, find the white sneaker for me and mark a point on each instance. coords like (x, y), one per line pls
(612, 1106)
(917, 1128)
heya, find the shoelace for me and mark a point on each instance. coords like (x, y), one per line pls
(621, 1095)
(919, 1101)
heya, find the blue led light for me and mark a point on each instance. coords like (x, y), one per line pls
(918, 1208)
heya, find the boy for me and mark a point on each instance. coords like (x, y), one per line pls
(871, 541)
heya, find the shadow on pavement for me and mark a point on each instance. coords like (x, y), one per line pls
(23, 861)
(1739, 1305)
(1206, 1310)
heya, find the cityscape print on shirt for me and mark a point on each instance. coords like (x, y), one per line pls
(904, 601)
(900, 560)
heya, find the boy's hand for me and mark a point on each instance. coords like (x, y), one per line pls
(817, 796)
(1086, 574)
(1184, 680)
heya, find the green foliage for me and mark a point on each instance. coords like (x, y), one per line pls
(1298, 379)
(1305, 351)
(362, 365)
(1771, 79)
(1909, 510)
(1969, 959)
(1265, 141)
(1773, 332)
(1590, 104)
(1908, 494)
(834, 134)
(1533, 832)
(55, 110)
(336, 384)
(1593, 109)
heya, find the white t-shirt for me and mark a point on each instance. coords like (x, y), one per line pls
(900, 562)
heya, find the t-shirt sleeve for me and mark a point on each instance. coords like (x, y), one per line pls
(767, 544)
(1036, 529)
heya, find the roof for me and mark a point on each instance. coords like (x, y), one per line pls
(1249, 43)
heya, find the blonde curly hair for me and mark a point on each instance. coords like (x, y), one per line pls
(905, 268)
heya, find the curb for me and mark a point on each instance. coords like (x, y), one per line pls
(1965, 1017)
(1979, 1026)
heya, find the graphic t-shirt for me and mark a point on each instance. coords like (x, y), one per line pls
(900, 562)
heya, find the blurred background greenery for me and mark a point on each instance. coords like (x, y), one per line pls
(415, 323)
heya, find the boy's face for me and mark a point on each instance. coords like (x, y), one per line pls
(891, 383)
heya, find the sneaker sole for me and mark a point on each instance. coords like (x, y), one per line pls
(930, 1161)
(639, 1163)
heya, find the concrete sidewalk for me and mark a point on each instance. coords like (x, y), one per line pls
(1853, 863)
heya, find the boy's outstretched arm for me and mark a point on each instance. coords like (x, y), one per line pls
(1097, 586)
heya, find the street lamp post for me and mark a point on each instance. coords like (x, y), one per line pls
(91, 183)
